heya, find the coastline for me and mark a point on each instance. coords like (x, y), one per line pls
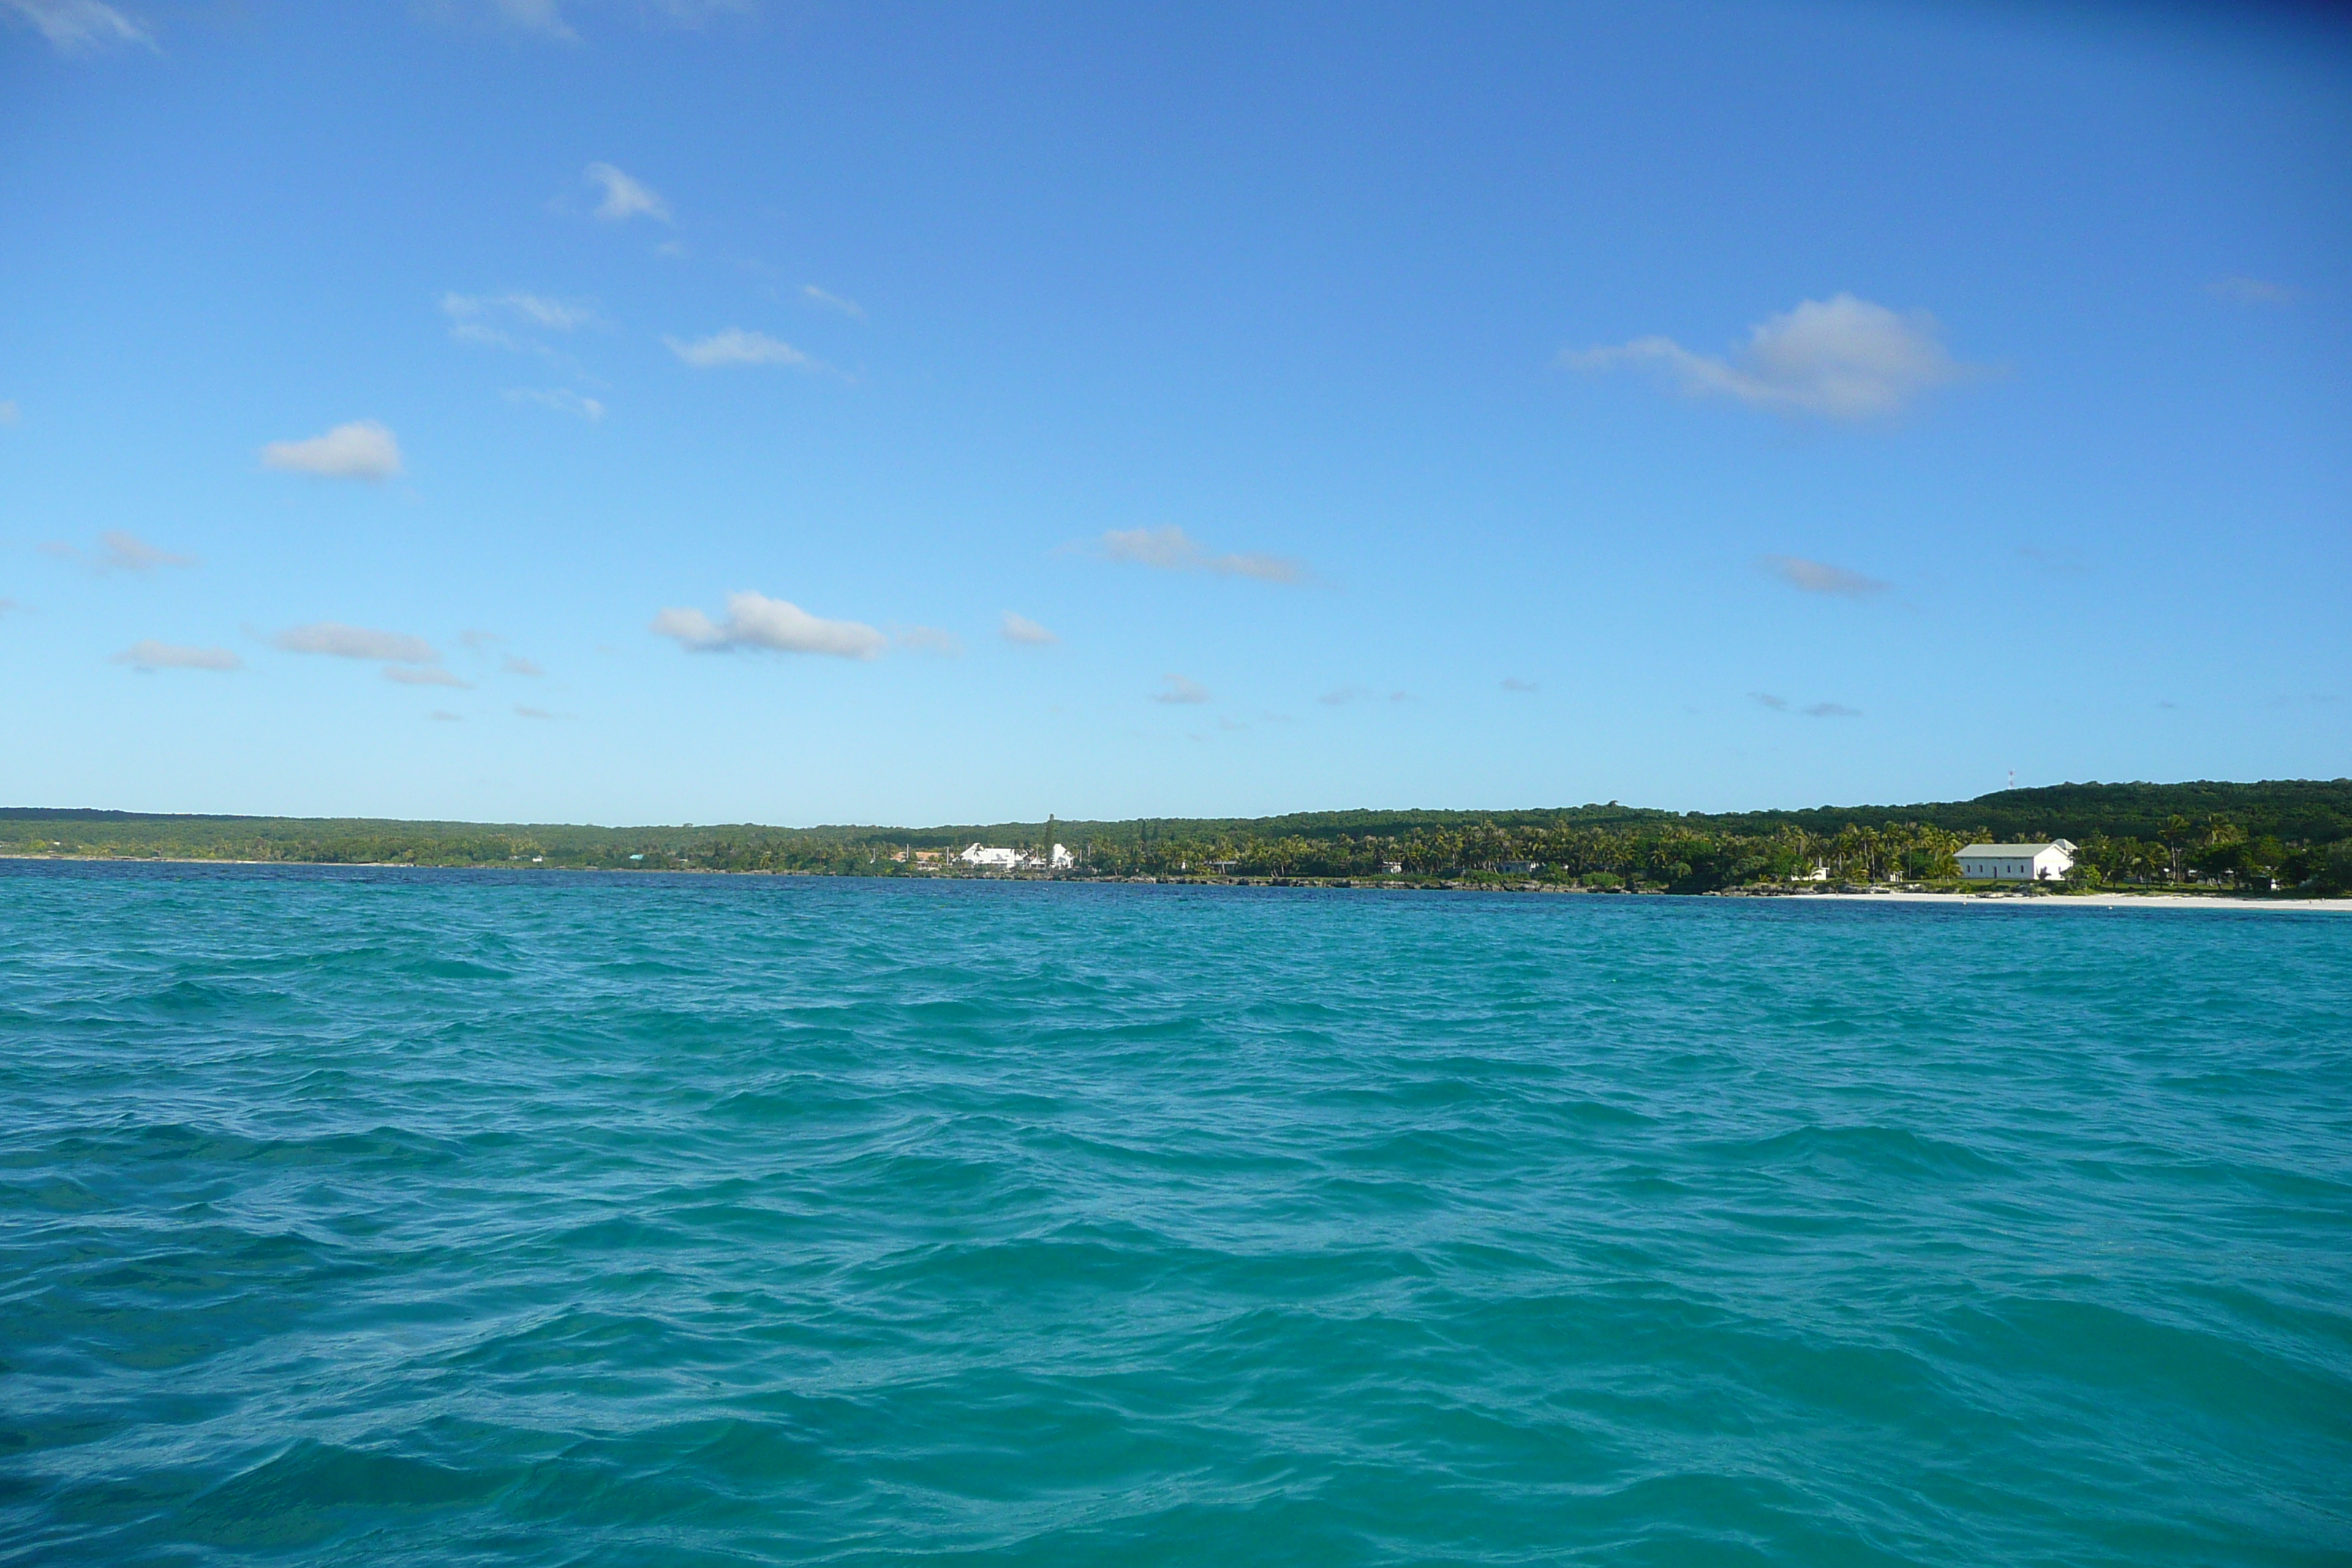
(2106, 901)
(2091, 901)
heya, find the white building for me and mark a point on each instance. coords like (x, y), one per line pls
(1063, 860)
(988, 860)
(2017, 862)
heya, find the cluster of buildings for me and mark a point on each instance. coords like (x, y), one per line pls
(2046, 862)
(988, 858)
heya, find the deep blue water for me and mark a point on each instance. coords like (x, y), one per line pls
(411, 1218)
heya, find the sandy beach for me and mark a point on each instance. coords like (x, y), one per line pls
(2091, 901)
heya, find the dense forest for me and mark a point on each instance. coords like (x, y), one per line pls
(2288, 835)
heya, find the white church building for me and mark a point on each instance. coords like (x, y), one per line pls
(2017, 862)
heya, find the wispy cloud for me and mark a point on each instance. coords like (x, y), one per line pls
(736, 346)
(561, 399)
(931, 640)
(1810, 710)
(2062, 561)
(426, 677)
(523, 710)
(517, 665)
(1171, 549)
(816, 296)
(544, 17)
(624, 198)
(530, 309)
(2253, 291)
(756, 621)
(1819, 577)
(121, 551)
(339, 641)
(1339, 697)
(1841, 358)
(1178, 690)
(151, 655)
(443, 716)
(75, 27)
(362, 450)
(9, 412)
(478, 641)
(1020, 628)
(1513, 683)
(117, 551)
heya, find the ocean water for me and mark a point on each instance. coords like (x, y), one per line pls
(407, 1217)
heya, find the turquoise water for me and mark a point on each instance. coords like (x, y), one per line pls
(412, 1217)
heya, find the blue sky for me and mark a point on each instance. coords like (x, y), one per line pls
(557, 410)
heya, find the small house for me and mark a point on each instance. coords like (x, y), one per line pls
(2046, 862)
(987, 858)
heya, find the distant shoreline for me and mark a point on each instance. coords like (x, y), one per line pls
(2091, 901)
(2102, 901)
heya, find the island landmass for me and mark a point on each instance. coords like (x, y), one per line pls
(2278, 838)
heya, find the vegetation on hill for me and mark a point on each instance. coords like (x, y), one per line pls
(2296, 833)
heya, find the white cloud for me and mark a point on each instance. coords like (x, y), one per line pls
(152, 655)
(117, 551)
(537, 309)
(475, 641)
(1181, 690)
(334, 639)
(816, 296)
(362, 450)
(1819, 577)
(542, 16)
(1022, 629)
(736, 346)
(126, 553)
(756, 621)
(522, 712)
(1842, 358)
(2253, 291)
(1171, 549)
(695, 13)
(9, 412)
(625, 198)
(562, 399)
(1810, 710)
(74, 26)
(1513, 683)
(1342, 696)
(443, 716)
(517, 665)
(931, 640)
(425, 678)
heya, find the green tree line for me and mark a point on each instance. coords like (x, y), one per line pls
(2294, 834)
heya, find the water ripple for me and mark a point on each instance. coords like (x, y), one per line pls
(373, 1214)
